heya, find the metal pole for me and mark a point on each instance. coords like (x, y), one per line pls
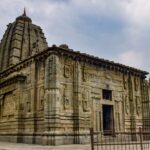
(92, 138)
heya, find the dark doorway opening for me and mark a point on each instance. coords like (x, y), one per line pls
(108, 119)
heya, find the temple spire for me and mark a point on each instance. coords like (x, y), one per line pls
(24, 13)
(24, 16)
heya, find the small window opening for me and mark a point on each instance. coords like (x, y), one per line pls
(107, 94)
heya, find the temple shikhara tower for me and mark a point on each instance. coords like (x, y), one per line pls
(53, 95)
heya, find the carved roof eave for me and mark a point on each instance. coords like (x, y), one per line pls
(76, 55)
(12, 80)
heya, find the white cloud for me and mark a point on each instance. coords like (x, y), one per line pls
(137, 11)
(61, 23)
(132, 58)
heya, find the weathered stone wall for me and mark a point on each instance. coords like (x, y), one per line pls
(22, 103)
(60, 98)
(81, 104)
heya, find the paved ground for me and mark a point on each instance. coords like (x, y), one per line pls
(20, 146)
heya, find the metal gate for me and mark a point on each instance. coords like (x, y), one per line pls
(110, 140)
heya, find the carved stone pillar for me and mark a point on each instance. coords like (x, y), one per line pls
(76, 100)
(145, 100)
(18, 92)
(52, 99)
(132, 107)
(32, 101)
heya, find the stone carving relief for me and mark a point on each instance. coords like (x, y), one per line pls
(66, 102)
(127, 105)
(84, 74)
(29, 75)
(28, 78)
(136, 84)
(85, 99)
(67, 71)
(125, 81)
(138, 105)
(117, 96)
(41, 98)
(66, 98)
(27, 99)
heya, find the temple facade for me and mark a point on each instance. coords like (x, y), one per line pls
(53, 95)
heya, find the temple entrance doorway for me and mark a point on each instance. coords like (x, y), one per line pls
(108, 118)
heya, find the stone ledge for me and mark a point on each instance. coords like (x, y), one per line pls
(12, 80)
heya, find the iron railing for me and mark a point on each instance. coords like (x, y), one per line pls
(111, 140)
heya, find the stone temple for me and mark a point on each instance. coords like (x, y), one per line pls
(53, 95)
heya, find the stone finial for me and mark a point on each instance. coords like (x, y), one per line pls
(24, 12)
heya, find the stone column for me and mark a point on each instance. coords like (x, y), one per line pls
(18, 93)
(132, 106)
(76, 101)
(52, 100)
(145, 104)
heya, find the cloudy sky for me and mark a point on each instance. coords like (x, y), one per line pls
(117, 30)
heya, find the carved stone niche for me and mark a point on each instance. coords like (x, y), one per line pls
(118, 96)
(138, 105)
(41, 98)
(67, 71)
(66, 102)
(8, 105)
(28, 75)
(27, 99)
(84, 74)
(85, 100)
(136, 84)
(125, 82)
(66, 98)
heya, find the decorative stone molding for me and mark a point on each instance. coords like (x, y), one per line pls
(76, 56)
(12, 80)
